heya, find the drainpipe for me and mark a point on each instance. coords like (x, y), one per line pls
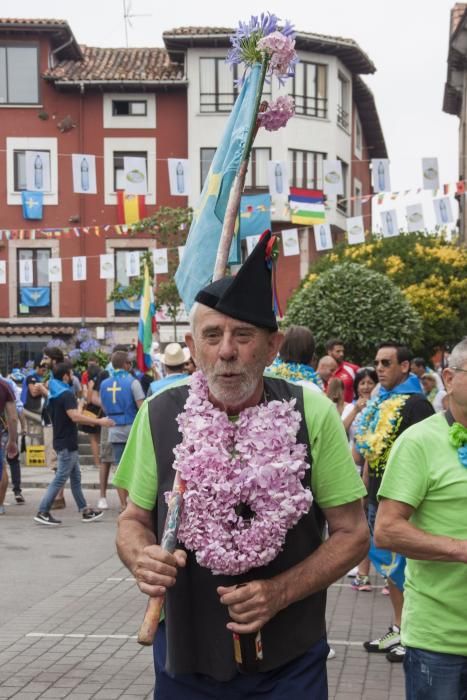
(82, 242)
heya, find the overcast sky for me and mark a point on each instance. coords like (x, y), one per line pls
(407, 40)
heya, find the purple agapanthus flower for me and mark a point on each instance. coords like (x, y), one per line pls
(245, 42)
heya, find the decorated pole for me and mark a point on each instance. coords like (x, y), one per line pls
(259, 42)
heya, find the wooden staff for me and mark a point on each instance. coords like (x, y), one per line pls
(148, 629)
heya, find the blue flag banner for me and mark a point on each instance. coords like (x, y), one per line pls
(35, 296)
(32, 204)
(128, 305)
(388, 564)
(255, 214)
(197, 266)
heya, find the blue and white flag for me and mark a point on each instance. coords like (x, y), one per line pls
(133, 304)
(32, 204)
(255, 214)
(35, 296)
(197, 266)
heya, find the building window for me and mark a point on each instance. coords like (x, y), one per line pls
(205, 160)
(115, 150)
(34, 293)
(343, 97)
(357, 202)
(19, 75)
(19, 171)
(257, 174)
(119, 180)
(218, 86)
(129, 108)
(310, 89)
(342, 203)
(16, 167)
(127, 307)
(358, 136)
(306, 169)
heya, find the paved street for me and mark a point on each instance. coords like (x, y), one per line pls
(69, 613)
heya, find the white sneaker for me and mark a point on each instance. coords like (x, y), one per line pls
(353, 572)
(102, 504)
(332, 654)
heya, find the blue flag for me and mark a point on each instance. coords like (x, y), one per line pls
(388, 564)
(197, 265)
(133, 304)
(34, 296)
(32, 204)
(255, 214)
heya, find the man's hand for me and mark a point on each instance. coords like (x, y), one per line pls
(106, 422)
(156, 570)
(253, 604)
(11, 449)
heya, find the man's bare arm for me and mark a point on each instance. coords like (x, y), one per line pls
(394, 531)
(154, 569)
(252, 605)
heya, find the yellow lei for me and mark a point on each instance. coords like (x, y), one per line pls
(378, 430)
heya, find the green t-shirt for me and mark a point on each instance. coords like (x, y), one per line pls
(424, 471)
(334, 478)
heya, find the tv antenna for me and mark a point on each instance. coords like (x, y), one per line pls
(128, 15)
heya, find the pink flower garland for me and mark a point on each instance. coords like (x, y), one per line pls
(255, 461)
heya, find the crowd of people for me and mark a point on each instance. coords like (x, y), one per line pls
(379, 457)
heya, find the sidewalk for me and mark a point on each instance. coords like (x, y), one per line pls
(40, 477)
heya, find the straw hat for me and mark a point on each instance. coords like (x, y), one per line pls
(175, 355)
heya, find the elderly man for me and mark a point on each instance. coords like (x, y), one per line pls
(253, 565)
(423, 515)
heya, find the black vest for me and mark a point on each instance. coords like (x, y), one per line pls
(197, 638)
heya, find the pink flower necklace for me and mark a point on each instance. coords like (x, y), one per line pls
(243, 488)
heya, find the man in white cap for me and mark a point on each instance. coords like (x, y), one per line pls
(173, 360)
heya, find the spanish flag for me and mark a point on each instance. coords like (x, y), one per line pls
(130, 207)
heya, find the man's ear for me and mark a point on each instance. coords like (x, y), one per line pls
(189, 340)
(274, 342)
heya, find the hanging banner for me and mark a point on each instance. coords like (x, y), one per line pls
(55, 269)
(160, 261)
(306, 206)
(32, 204)
(38, 171)
(106, 266)
(414, 216)
(333, 183)
(380, 178)
(134, 175)
(130, 208)
(323, 238)
(290, 243)
(25, 272)
(251, 241)
(2, 271)
(34, 296)
(430, 173)
(84, 173)
(389, 223)
(355, 230)
(443, 211)
(132, 266)
(131, 304)
(181, 252)
(255, 214)
(278, 178)
(79, 268)
(179, 177)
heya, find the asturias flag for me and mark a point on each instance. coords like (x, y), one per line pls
(130, 207)
(306, 206)
(197, 266)
(146, 326)
(32, 204)
(255, 214)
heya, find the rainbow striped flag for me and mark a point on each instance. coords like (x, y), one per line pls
(146, 326)
(130, 207)
(306, 206)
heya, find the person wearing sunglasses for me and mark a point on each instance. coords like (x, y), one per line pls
(399, 404)
(423, 513)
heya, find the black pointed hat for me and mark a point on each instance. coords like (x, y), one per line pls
(249, 295)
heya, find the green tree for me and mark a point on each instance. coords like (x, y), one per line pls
(430, 271)
(361, 306)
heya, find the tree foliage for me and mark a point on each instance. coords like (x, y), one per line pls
(356, 304)
(430, 271)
